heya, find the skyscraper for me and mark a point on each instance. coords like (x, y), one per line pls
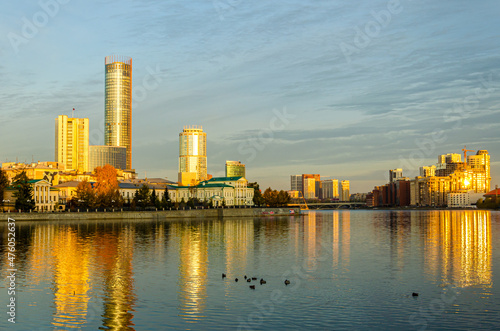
(235, 169)
(72, 143)
(118, 104)
(296, 183)
(344, 186)
(192, 154)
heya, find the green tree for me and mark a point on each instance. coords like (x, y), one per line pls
(142, 197)
(165, 199)
(258, 199)
(270, 197)
(153, 199)
(4, 183)
(24, 193)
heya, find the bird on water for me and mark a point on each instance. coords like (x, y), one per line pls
(287, 282)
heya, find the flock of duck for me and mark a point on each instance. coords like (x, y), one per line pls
(249, 279)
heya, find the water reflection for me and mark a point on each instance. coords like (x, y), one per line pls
(458, 247)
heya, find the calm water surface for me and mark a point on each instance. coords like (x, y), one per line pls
(348, 270)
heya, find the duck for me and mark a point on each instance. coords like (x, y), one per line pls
(287, 282)
(414, 294)
(223, 275)
(236, 279)
(254, 278)
(249, 280)
(262, 281)
(252, 287)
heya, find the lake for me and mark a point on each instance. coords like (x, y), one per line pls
(347, 270)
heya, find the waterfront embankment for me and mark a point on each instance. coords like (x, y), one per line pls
(153, 215)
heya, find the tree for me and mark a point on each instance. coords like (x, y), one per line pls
(153, 199)
(258, 199)
(142, 197)
(106, 187)
(165, 200)
(270, 197)
(85, 196)
(4, 183)
(24, 194)
(283, 198)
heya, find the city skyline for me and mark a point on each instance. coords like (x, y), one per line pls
(346, 90)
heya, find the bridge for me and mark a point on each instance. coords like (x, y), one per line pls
(329, 205)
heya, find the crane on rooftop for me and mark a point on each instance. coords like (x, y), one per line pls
(465, 150)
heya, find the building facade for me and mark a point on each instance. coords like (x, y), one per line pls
(330, 189)
(72, 143)
(344, 186)
(99, 156)
(235, 169)
(118, 104)
(192, 154)
(296, 183)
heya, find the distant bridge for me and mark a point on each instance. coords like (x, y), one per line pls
(329, 205)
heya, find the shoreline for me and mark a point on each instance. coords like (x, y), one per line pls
(153, 215)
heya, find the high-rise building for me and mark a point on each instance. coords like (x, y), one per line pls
(235, 169)
(296, 183)
(72, 143)
(428, 171)
(395, 174)
(316, 177)
(344, 187)
(99, 156)
(309, 188)
(330, 189)
(479, 167)
(118, 104)
(192, 154)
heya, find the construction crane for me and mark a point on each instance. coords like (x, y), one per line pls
(465, 150)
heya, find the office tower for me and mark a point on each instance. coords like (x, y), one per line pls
(395, 174)
(296, 183)
(344, 186)
(309, 188)
(450, 158)
(235, 169)
(72, 142)
(118, 104)
(99, 156)
(192, 155)
(316, 177)
(428, 171)
(330, 188)
(479, 169)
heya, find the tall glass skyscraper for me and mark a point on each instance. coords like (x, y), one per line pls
(193, 152)
(118, 104)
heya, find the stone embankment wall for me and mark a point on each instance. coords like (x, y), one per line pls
(153, 215)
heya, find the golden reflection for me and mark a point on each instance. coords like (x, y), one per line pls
(310, 239)
(115, 253)
(238, 240)
(193, 268)
(39, 257)
(71, 277)
(346, 237)
(459, 247)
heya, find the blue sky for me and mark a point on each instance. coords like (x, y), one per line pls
(344, 89)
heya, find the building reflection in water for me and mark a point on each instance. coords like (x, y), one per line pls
(341, 241)
(238, 241)
(458, 246)
(71, 256)
(193, 268)
(115, 254)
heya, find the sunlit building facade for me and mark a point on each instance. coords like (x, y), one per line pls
(72, 143)
(235, 169)
(118, 104)
(192, 155)
(99, 156)
(344, 187)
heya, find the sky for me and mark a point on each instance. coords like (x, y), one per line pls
(345, 89)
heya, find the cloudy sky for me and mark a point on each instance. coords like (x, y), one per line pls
(346, 89)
